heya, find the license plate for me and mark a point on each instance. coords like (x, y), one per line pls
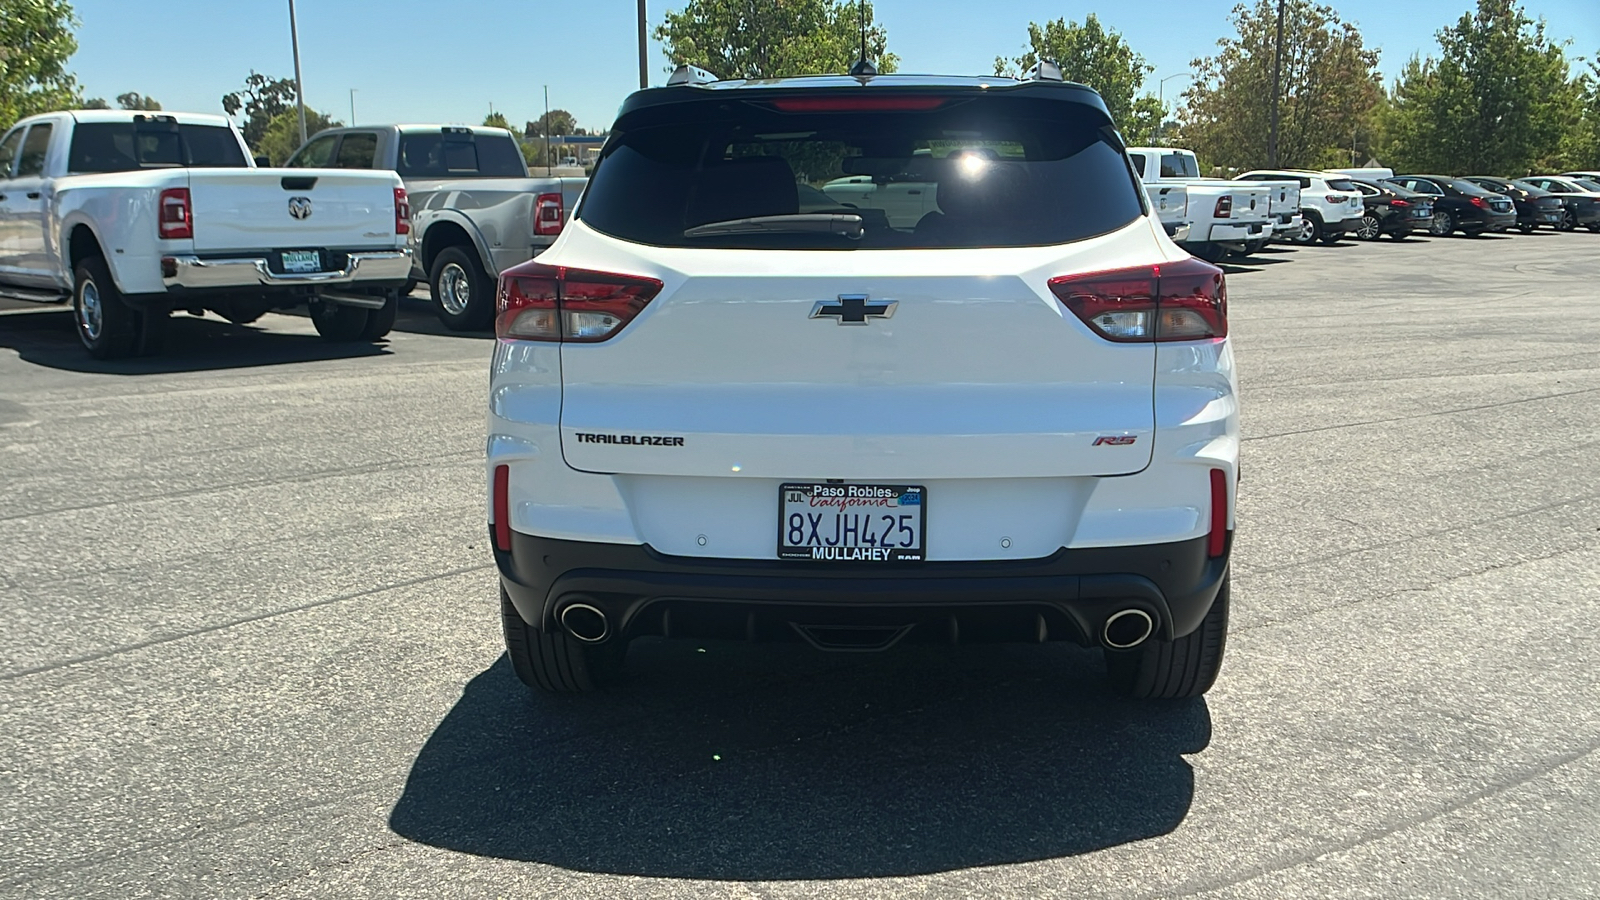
(852, 522)
(302, 261)
(1423, 212)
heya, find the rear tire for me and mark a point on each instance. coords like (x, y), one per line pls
(1442, 225)
(463, 293)
(1172, 670)
(1526, 229)
(107, 327)
(381, 321)
(556, 662)
(1371, 229)
(1310, 231)
(1569, 221)
(338, 323)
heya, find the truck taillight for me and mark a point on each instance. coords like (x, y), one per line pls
(1180, 301)
(549, 213)
(554, 303)
(402, 212)
(175, 214)
(1224, 207)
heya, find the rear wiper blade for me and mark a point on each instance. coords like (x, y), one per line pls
(802, 223)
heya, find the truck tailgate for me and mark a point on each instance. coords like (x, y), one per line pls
(263, 209)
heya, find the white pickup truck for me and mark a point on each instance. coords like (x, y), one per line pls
(477, 210)
(1222, 217)
(130, 216)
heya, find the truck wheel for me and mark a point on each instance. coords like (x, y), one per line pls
(1171, 670)
(153, 331)
(381, 321)
(108, 328)
(336, 322)
(554, 661)
(463, 292)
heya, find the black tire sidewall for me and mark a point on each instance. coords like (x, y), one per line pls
(479, 314)
(119, 322)
(381, 321)
(338, 323)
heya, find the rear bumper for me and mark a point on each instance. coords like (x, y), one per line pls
(1243, 231)
(366, 267)
(1065, 596)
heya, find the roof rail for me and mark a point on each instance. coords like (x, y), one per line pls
(691, 75)
(1044, 70)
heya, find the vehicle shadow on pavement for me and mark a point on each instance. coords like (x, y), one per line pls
(417, 316)
(46, 338)
(762, 762)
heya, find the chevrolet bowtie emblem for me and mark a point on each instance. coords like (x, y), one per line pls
(854, 309)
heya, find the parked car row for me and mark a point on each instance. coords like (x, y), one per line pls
(131, 216)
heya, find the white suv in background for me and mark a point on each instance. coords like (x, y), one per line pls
(1330, 205)
(726, 403)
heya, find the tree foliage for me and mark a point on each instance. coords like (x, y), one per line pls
(1329, 88)
(262, 101)
(1093, 55)
(556, 121)
(496, 120)
(1499, 99)
(36, 40)
(772, 38)
(281, 136)
(135, 100)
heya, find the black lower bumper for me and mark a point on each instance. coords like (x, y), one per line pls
(1065, 596)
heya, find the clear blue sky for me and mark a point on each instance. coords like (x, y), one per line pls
(448, 60)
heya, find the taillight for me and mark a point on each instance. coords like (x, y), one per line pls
(502, 508)
(548, 214)
(1181, 301)
(1334, 198)
(555, 303)
(1217, 539)
(1224, 207)
(176, 216)
(1398, 202)
(1478, 202)
(402, 212)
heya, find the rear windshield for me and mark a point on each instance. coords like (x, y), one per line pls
(989, 172)
(1179, 165)
(460, 156)
(1470, 189)
(127, 146)
(1340, 184)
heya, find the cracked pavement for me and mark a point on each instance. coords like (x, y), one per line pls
(251, 646)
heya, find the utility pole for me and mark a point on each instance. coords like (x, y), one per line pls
(1277, 88)
(352, 106)
(299, 86)
(548, 161)
(644, 65)
(1161, 99)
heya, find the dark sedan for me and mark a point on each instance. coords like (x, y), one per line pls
(1391, 209)
(1581, 202)
(1535, 207)
(1460, 205)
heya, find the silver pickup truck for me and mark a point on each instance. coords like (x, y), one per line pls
(475, 209)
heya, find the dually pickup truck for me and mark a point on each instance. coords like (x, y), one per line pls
(1221, 217)
(477, 211)
(130, 216)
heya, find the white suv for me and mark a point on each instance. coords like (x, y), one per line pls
(1330, 205)
(728, 404)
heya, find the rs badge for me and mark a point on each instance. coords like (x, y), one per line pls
(1115, 440)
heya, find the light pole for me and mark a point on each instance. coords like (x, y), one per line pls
(1161, 98)
(353, 106)
(644, 67)
(1277, 69)
(299, 87)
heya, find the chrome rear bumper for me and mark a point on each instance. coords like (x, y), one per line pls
(194, 273)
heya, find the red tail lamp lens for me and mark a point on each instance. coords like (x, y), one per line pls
(1180, 301)
(1217, 540)
(555, 303)
(176, 214)
(502, 507)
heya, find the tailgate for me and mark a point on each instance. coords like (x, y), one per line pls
(263, 209)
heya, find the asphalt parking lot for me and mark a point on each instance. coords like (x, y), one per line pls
(251, 646)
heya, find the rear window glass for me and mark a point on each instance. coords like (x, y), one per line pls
(460, 156)
(1179, 165)
(1470, 189)
(1340, 184)
(127, 146)
(990, 172)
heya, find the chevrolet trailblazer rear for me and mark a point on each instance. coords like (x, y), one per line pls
(861, 361)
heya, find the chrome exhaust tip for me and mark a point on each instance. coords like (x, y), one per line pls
(585, 622)
(1126, 629)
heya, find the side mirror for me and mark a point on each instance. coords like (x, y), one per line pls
(263, 162)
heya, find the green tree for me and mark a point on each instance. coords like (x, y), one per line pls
(1093, 55)
(1500, 99)
(36, 40)
(93, 103)
(556, 121)
(1328, 90)
(773, 38)
(281, 137)
(496, 120)
(262, 101)
(134, 100)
